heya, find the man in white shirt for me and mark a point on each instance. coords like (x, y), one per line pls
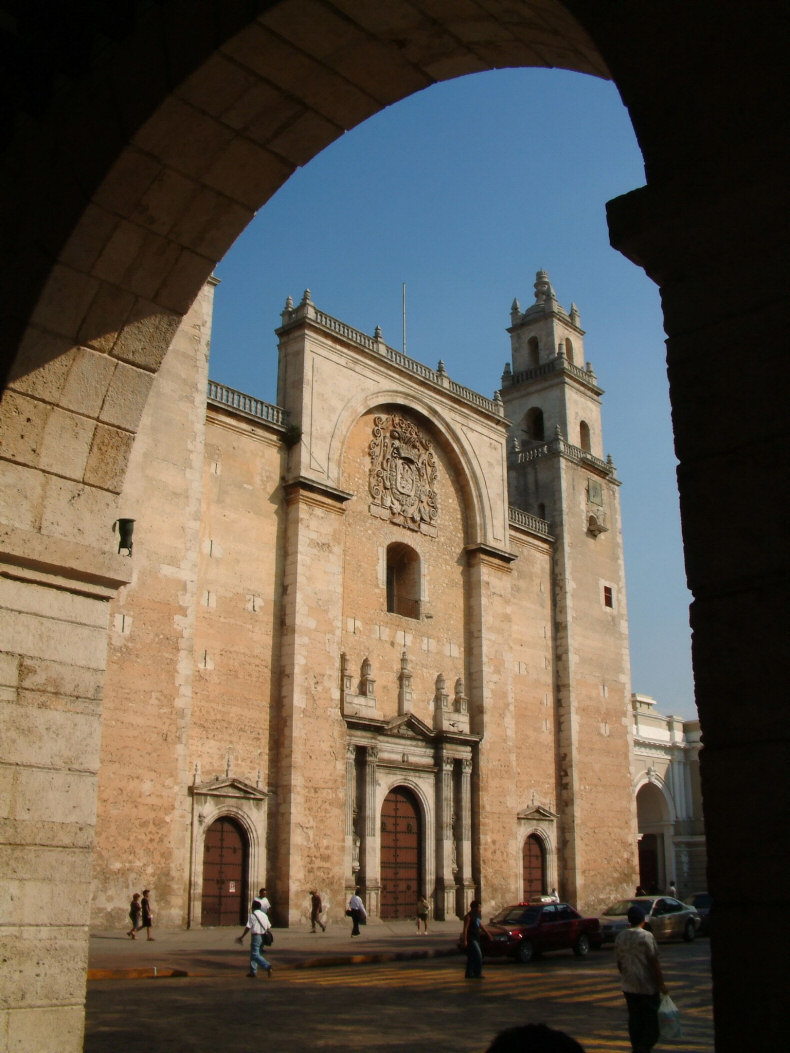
(265, 905)
(636, 953)
(257, 924)
(356, 908)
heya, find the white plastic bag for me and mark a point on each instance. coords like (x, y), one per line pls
(669, 1020)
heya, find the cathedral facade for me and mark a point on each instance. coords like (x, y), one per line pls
(375, 637)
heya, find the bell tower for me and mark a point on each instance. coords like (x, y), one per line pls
(557, 472)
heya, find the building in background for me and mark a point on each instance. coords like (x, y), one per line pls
(668, 800)
(376, 635)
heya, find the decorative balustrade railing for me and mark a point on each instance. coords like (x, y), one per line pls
(251, 407)
(378, 347)
(552, 366)
(567, 449)
(529, 522)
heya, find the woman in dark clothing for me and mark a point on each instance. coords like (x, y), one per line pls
(148, 918)
(474, 930)
(134, 915)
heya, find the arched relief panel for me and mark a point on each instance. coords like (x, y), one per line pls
(439, 428)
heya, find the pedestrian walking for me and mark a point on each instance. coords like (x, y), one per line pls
(263, 900)
(474, 930)
(257, 924)
(147, 913)
(423, 910)
(636, 954)
(316, 907)
(356, 911)
(135, 912)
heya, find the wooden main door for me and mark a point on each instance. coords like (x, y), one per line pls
(534, 868)
(401, 852)
(225, 856)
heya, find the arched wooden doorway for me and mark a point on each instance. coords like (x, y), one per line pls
(648, 863)
(401, 852)
(225, 857)
(533, 867)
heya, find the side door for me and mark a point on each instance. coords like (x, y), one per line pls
(660, 920)
(546, 933)
(566, 926)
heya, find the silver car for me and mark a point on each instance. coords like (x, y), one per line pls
(665, 916)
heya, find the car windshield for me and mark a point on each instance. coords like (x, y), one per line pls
(624, 906)
(517, 916)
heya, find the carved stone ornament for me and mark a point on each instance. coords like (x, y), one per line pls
(403, 475)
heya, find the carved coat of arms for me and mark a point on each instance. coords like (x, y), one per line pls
(403, 475)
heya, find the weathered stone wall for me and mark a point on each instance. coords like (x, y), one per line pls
(598, 814)
(142, 835)
(237, 626)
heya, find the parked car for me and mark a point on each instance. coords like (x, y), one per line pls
(702, 902)
(527, 929)
(665, 916)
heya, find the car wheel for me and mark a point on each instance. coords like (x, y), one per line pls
(526, 952)
(690, 931)
(582, 946)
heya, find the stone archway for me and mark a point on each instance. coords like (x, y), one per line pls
(127, 178)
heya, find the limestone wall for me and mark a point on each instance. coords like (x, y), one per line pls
(142, 835)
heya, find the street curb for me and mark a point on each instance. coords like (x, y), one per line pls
(372, 958)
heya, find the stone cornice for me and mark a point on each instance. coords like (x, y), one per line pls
(61, 564)
(304, 487)
(490, 554)
(228, 787)
(417, 729)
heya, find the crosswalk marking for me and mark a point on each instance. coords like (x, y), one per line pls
(561, 986)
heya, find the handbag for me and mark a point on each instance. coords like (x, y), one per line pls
(349, 914)
(669, 1020)
(268, 938)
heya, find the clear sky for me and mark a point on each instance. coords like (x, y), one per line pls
(463, 192)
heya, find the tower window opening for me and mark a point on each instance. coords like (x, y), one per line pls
(533, 352)
(608, 596)
(403, 580)
(569, 349)
(584, 436)
(533, 424)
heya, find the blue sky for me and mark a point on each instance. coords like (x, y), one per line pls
(463, 192)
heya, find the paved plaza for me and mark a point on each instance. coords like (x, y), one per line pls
(388, 990)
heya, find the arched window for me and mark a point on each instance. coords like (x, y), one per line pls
(568, 349)
(584, 436)
(533, 352)
(403, 580)
(533, 424)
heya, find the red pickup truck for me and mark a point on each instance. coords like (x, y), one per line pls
(527, 929)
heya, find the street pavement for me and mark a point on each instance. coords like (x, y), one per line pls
(214, 952)
(388, 990)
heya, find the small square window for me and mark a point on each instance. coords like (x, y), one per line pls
(608, 596)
